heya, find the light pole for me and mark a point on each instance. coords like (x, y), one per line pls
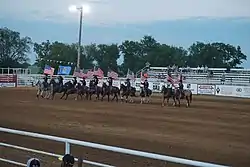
(84, 9)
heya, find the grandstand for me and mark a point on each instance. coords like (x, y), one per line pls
(204, 75)
(215, 76)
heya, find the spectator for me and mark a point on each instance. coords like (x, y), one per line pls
(223, 78)
(68, 161)
(33, 162)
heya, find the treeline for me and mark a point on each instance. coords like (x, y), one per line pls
(14, 51)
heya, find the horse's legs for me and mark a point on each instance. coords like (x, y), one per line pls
(53, 95)
(38, 93)
(163, 101)
(179, 101)
(63, 94)
(108, 97)
(67, 94)
(188, 101)
(174, 98)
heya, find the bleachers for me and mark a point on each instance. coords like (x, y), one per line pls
(206, 76)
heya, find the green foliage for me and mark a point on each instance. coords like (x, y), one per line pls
(13, 49)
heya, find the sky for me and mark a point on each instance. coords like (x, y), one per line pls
(174, 22)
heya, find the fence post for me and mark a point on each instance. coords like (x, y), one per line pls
(67, 148)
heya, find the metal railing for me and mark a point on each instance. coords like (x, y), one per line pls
(68, 143)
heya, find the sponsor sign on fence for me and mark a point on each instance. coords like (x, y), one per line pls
(206, 89)
(192, 87)
(8, 80)
(234, 91)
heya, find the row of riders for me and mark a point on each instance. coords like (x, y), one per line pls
(126, 91)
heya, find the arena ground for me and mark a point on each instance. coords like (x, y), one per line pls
(214, 129)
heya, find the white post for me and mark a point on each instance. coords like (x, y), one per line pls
(67, 148)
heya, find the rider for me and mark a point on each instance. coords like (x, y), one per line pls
(181, 87)
(110, 83)
(74, 81)
(60, 80)
(146, 85)
(83, 81)
(46, 80)
(95, 81)
(128, 85)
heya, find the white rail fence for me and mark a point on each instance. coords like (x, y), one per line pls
(69, 142)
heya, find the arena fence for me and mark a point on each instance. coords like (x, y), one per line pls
(69, 142)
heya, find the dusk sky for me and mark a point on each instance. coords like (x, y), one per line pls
(174, 22)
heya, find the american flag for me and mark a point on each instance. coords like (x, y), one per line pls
(77, 73)
(112, 74)
(130, 75)
(48, 70)
(89, 74)
(99, 73)
(171, 80)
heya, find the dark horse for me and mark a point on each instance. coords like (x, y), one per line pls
(145, 95)
(93, 90)
(68, 88)
(127, 93)
(185, 94)
(81, 90)
(107, 90)
(166, 94)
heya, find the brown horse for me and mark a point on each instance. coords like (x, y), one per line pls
(184, 94)
(167, 93)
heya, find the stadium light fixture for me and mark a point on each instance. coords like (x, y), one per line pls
(84, 9)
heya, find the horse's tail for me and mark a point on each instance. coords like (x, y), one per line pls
(191, 97)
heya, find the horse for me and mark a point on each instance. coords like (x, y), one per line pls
(108, 90)
(187, 94)
(56, 87)
(127, 93)
(93, 90)
(81, 90)
(166, 94)
(68, 89)
(145, 94)
(42, 87)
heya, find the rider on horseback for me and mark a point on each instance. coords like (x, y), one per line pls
(45, 78)
(146, 85)
(74, 81)
(181, 86)
(110, 83)
(60, 81)
(128, 85)
(95, 81)
(83, 82)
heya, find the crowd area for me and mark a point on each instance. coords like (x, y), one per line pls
(67, 161)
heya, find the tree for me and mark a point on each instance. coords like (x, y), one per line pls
(132, 53)
(215, 55)
(58, 53)
(107, 56)
(13, 48)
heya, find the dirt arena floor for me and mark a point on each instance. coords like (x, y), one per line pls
(214, 129)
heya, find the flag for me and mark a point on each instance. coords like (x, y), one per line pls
(48, 70)
(171, 80)
(64, 70)
(112, 74)
(130, 75)
(144, 76)
(89, 74)
(99, 73)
